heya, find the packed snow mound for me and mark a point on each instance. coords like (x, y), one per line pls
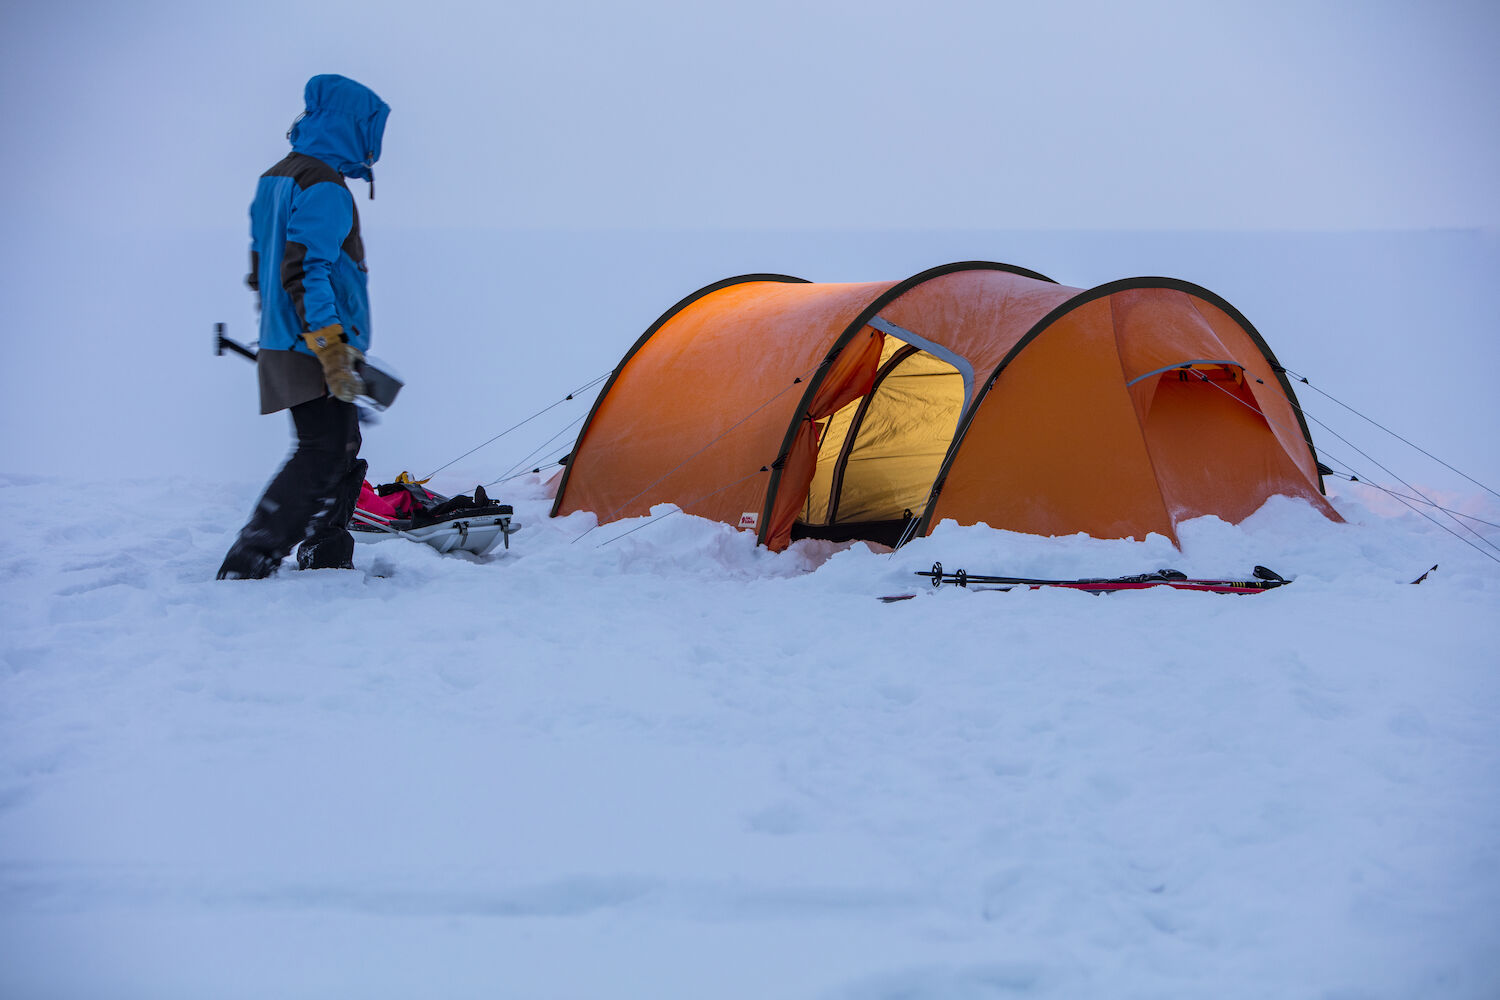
(649, 756)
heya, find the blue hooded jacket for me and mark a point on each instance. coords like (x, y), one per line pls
(307, 259)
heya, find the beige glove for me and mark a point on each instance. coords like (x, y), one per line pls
(338, 357)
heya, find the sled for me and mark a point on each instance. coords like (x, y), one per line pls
(455, 533)
(406, 509)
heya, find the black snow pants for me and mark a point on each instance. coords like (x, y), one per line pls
(310, 499)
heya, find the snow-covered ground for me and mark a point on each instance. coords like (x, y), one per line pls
(674, 765)
(671, 765)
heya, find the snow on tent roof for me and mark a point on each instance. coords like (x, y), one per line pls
(975, 391)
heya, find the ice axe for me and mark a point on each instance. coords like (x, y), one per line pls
(381, 386)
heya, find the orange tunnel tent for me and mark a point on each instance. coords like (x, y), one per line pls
(976, 391)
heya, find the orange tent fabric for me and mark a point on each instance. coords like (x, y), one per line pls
(977, 391)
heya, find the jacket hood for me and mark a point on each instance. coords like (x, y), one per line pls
(342, 126)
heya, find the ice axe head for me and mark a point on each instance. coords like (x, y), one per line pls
(222, 342)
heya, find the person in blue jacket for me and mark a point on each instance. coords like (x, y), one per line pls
(307, 268)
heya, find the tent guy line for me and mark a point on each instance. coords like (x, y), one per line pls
(519, 468)
(1354, 477)
(1350, 478)
(583, 388)
(1303, 379)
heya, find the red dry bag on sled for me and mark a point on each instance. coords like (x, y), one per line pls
(408, 509)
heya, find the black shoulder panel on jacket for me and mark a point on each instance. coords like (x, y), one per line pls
(354, 244)
(306, 171)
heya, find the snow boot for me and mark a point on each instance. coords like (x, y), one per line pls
(246, 563)
(333, 552)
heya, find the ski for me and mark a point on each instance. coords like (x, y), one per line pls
(1263, 579)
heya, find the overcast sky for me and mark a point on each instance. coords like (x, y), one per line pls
(135, 132)
(778, 114)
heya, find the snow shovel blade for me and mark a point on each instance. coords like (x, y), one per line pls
(381, 386)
